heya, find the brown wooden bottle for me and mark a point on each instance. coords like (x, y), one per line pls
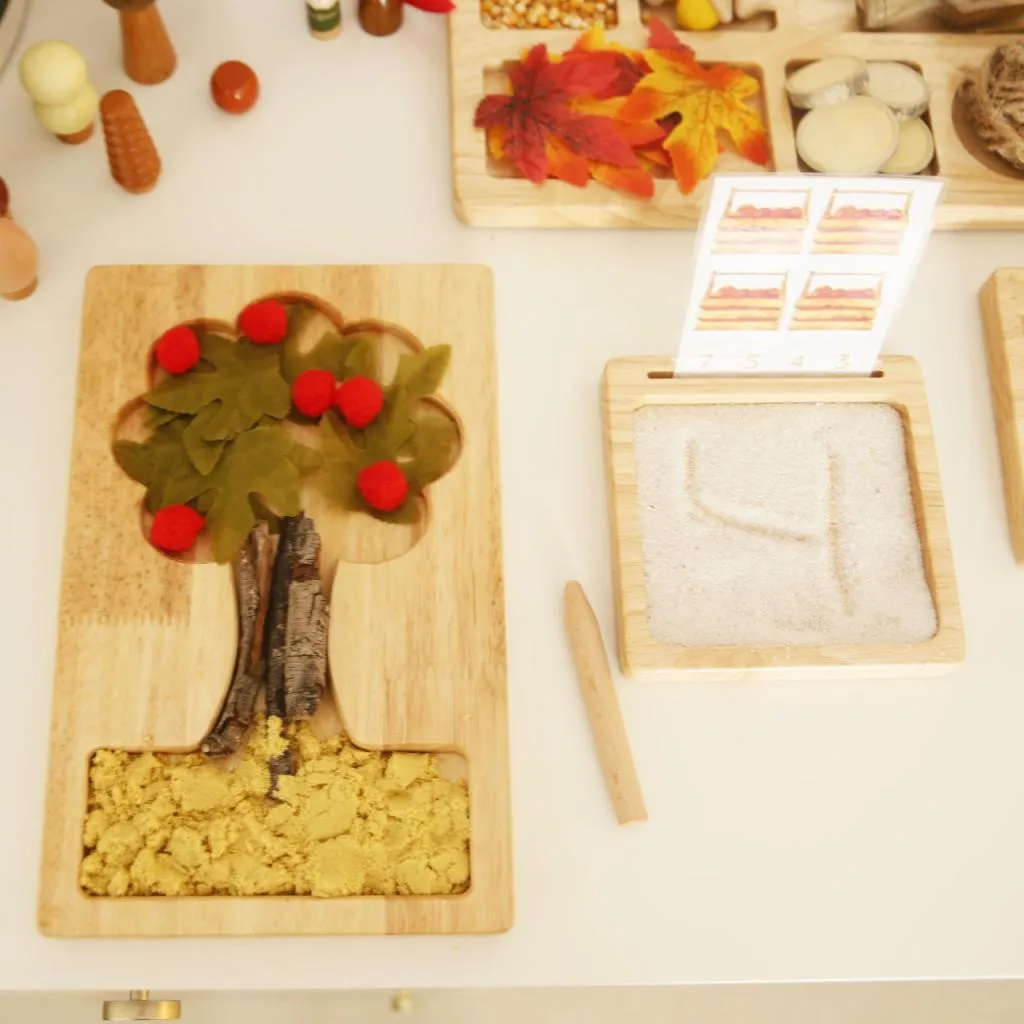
(380, 17)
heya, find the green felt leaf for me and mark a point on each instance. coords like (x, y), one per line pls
(157, 463)
(263, 461)
(261, 468)
(393, 428)
(244, 386)
(341, 462)
(362, 359)
(420, 373)
(432, 450)
(159, 417)
(203, 454)
(330, 353)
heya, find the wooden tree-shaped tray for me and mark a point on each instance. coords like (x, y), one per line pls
(982, 192)
(416, 643)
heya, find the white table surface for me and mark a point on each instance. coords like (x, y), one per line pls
(812, 830)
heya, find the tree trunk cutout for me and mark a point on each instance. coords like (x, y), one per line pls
(247, 437)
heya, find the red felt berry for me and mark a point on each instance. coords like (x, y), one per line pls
(177, 351)
(313, 392)
(383, 486)
(175, 528)
(360, 401)
(265, 323)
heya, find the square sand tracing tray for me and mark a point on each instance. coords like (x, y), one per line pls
(777, 527)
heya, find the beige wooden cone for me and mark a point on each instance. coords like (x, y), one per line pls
(19, 262)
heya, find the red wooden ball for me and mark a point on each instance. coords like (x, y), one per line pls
(383, 486)
(177, 351)
(265, 323)
(234, 87)
(360, 401)
(175, 528)
(313, 392)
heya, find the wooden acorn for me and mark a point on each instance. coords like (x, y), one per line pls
(148, 55)
(55, 76)
(134, 161)
(19, 262)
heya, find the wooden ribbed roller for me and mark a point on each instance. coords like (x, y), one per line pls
(134, 161)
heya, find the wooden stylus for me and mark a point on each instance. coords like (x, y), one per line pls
(595, 677)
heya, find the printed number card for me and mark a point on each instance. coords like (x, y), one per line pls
(802, 273)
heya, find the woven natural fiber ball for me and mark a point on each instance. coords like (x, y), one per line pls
(994, 99)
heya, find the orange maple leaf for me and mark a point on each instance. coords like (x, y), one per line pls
(708, 101)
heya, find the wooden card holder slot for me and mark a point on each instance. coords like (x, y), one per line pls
(982, 192)
(632, 384)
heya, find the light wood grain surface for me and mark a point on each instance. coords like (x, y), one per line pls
(417, 644)
(981, 192)
(1002, 308)
(595, 678)
(629, 385)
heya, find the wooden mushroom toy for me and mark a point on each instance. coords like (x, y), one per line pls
(55, 76)
(148, 55)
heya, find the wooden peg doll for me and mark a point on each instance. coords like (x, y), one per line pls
(55, 76)
(381, 17)
(323, 18)
(148, 55)
(19, 262)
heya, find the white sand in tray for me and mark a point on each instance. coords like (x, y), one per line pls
(779, 524)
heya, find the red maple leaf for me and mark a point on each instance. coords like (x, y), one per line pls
(538, 116)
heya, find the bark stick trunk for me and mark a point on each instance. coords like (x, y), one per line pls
(252, 581)
(296, 633)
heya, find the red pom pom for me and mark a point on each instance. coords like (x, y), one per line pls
(313, 392)
(175, 528)
(360, 400)
(383, 486)
(265, 323)
(177, 351)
